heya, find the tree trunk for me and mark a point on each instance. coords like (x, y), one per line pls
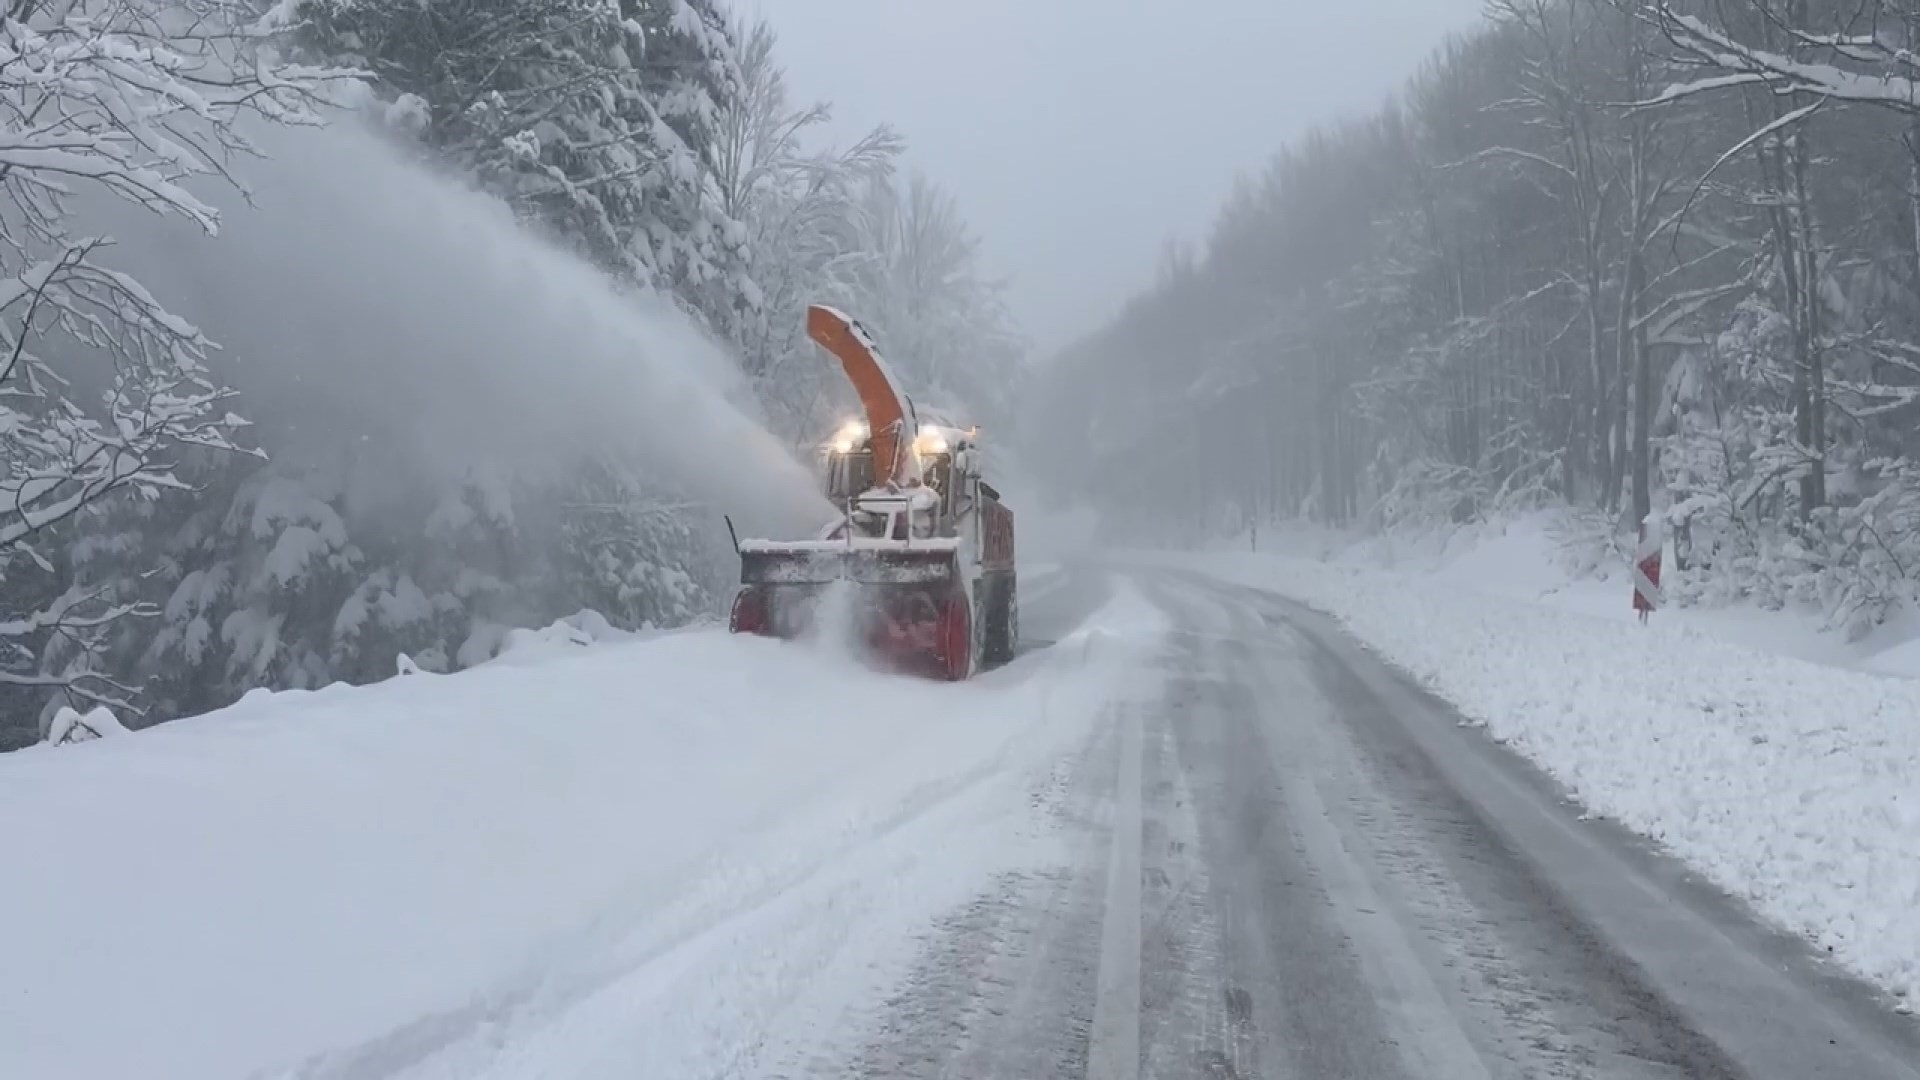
(1810, 353)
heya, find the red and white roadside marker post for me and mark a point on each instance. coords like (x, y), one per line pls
(1646, 569)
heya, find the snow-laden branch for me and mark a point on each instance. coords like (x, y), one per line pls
(1781, 123)
(1879, 397)
(1669, 313)
(72, 611)
(1736, 63)
(69, 626)
(101, 387)
(1681, 91)
(70, 725)
(1511, 154)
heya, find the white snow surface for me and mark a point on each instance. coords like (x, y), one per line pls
(681, 856)
(71, 726)
(1793, 785)
(1542, 559)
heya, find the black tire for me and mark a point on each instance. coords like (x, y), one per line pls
(1003, 623)
(1013, 618)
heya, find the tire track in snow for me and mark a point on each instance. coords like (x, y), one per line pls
(737, 896)
(1004, 985)
(1115, 1050)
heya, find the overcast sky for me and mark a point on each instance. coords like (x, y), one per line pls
(1079, 135)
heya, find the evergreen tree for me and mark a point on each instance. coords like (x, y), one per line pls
(593, 117)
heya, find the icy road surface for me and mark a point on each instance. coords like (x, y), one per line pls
(1192, 831)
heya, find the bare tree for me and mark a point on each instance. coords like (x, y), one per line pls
(942, 318)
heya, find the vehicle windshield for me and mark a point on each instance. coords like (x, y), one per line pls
(848, 474)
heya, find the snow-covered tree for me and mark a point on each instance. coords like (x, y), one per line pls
(923, 290)
(635, 553)
(803, 210)
(595, 118)
(101, 388)
(838, 226)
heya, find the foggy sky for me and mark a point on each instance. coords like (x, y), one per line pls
(1079, 135)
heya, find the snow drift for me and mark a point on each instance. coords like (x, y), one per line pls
(1563, 560)
(685, 855)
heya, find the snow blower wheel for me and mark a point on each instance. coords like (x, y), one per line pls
(956, 638)
(749, 614)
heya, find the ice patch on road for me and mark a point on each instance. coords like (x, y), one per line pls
(1793, 785)
(689, 855)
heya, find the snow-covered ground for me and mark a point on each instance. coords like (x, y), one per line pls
(1542, 559)
(1790, 783)
(681, 856)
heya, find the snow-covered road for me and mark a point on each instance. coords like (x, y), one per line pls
(1326, 875)
(1194, 830)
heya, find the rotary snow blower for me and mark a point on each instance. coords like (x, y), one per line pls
(923, 539)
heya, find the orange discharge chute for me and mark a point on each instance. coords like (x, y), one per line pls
(886, 411)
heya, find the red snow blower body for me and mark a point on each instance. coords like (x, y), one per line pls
(923, 551)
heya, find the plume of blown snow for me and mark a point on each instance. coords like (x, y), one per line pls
(361, 297)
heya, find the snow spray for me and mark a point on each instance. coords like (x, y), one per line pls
(835, 620)
(366, 299)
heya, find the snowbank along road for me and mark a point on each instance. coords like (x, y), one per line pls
(1193, 831)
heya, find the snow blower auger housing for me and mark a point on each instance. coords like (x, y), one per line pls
(923, 540)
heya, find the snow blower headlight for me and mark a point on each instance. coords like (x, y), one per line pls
(851, 434)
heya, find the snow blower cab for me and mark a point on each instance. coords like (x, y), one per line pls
(922, 549)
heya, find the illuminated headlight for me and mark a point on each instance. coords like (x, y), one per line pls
(933, 444)
(849, 436)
